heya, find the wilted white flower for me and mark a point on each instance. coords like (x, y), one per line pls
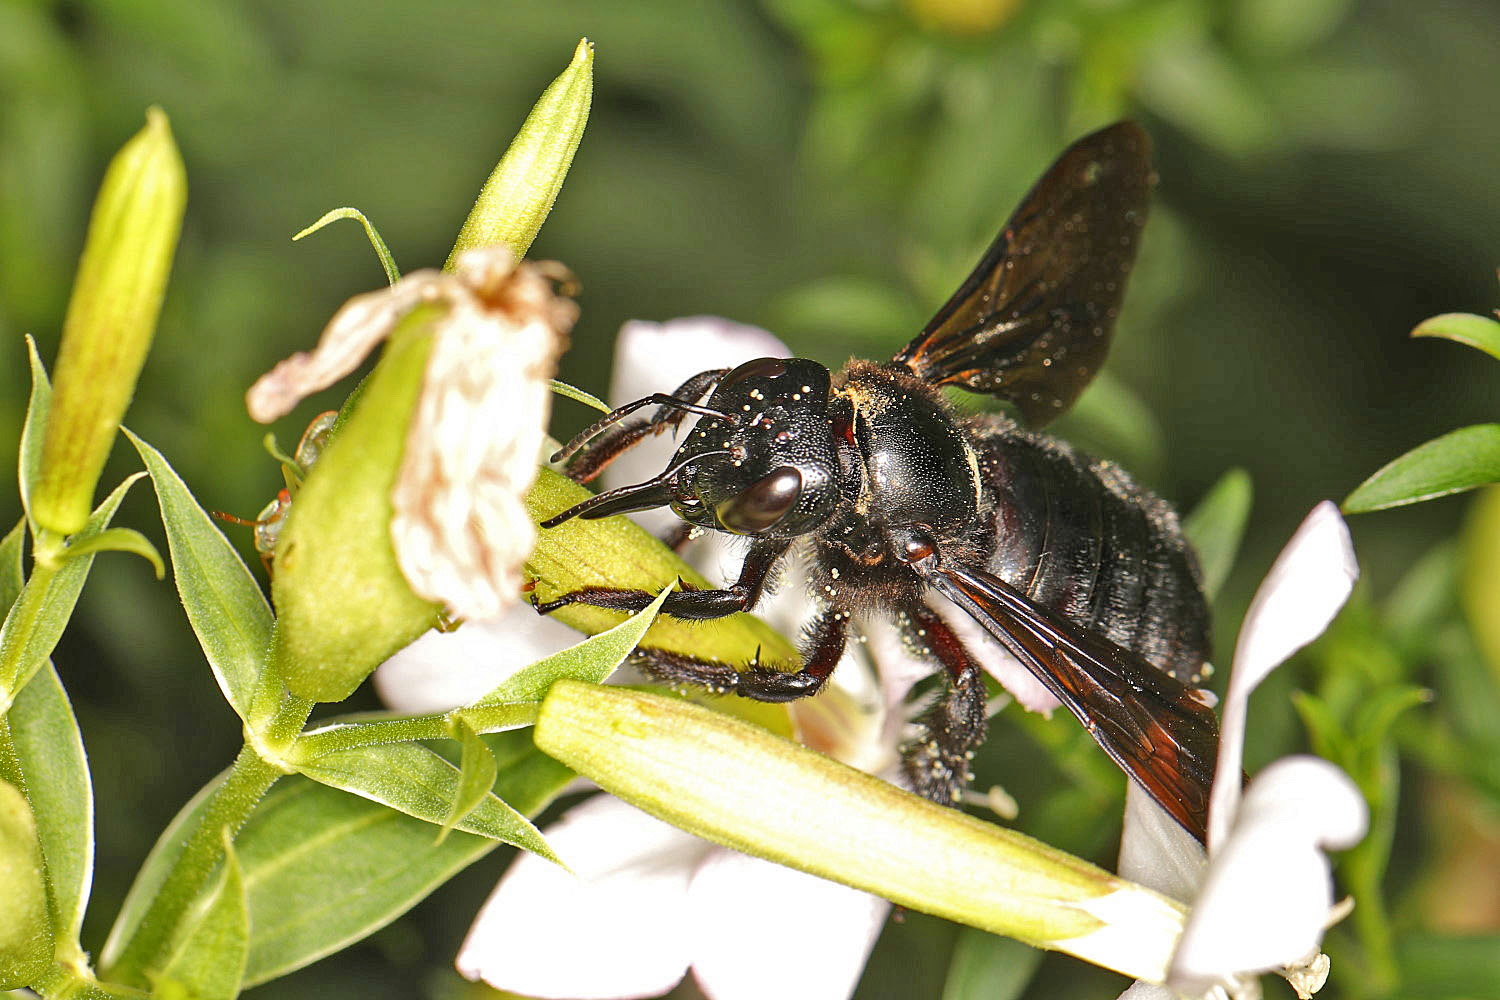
(1263, 897)
(460, 530)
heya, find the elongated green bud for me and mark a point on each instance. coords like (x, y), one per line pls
(111, 319)
(520, 191)
(740, 786)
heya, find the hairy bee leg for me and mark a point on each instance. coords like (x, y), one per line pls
(824, 648)
(587, 465)
(937, 762)
(695, 605)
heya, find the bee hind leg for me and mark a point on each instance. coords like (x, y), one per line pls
(936, 764)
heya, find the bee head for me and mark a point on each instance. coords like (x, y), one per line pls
(760, 461)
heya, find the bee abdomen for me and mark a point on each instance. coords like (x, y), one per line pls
(1080, 537)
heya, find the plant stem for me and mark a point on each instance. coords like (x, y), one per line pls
(230, 805)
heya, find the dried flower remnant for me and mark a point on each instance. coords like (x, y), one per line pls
(459, 530)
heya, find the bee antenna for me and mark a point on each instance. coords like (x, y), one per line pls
(592, 431)
(654, 492)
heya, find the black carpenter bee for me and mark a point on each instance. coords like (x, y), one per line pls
(1081, 574)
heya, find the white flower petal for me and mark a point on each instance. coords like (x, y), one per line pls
(1155, 850)
(658, 357)
(616, 927)
(443, 670)
(1267, 893)
(738, 902)
(1308, 584)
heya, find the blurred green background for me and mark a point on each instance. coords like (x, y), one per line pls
(829, 170)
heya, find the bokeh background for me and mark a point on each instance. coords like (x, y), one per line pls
(827, 169)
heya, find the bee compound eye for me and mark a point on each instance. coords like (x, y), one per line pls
(763, 504)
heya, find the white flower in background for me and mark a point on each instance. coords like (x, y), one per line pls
(1263, 898)
(460, 529)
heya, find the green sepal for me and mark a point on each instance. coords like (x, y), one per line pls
(520, 190)
(224, 604)
(206, 960)
(383, 252)
(1217, 526)
(1479, 332)
(119, 540)
(37, 619)
(25, 925)
(413, 780)
(1459, 460)
(49, 747)
(34, 429)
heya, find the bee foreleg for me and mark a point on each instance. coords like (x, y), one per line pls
(823, 648)
(937, 762)
(695, 605)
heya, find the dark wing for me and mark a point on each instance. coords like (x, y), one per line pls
(1032, 324)
(1153, 726)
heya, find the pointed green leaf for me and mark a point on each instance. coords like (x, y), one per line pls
(223, 602)
(477, 773)
(207, 960)
(593, 659)
(120, 540)
(25, 930)
(37, 619)
(414, 780)
(1480, 332)
(1217, 525)
(1459, 460)
(579, 396)
(35, 428)
(368, 729)
(12, 571)
(989, 967)
(153, 873)
(324, 869)
(520, 191)
(383, 252)
(50, 749)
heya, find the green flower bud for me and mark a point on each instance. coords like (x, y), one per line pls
(520, 191)
(111, 318)
(25, 927)
(740, 786)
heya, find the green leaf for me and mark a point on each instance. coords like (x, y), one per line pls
(1479, 592)
(1459, 460)
(50, 749)
(324, 869)
(120, 540)
(388, 262)
(223, 602)
(369, 729)
(25, 930)
(1217, 526)
(12, 572)
(578, 395)
(988, 967)
(1479, 332)
(153, 873)
(35, 427)
(37, 619)
(477, 773)
(593, 659)
(207, 960)
(520, 191)
(414, 780)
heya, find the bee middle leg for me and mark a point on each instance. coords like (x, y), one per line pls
(696, 605)
(823, 648)
(937, 762)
